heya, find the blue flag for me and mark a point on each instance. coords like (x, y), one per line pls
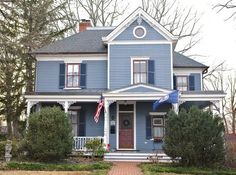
(172, 97)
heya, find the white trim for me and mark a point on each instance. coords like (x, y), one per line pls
(71, 58)
(135, 58)
(139, 13)
(56, 98)
(128, 42)
(136, 86)
(134, 124)
(157, 113)
(144, 34)
(171, 66)
(187, 71)
(108, 67)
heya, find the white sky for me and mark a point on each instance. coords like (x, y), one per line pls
(218, 41)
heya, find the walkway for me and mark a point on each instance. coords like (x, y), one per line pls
(125, 168)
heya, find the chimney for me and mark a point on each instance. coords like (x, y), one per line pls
(83, 25)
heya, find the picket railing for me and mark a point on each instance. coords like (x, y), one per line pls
(80, 142)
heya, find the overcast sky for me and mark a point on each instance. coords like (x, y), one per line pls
(218, 41)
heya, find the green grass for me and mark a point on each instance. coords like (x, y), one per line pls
(57, 167)
(149, 169)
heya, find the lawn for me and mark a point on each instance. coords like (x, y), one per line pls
(166, 169)
(29, 168)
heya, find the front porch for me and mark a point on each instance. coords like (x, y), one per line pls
(127, 121)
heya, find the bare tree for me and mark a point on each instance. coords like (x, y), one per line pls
(230, 5)
(179, 21)
(231, 107)
(219, 78)
(102, 12)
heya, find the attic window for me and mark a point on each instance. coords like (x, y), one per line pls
(139, 32)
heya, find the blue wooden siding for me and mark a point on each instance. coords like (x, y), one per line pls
(47, 75)
(142, 110)
(151, 33)
(120, 63)
(93, 128)
(96, 74)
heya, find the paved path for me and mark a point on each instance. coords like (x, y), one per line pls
(43, 173)
(125, 168)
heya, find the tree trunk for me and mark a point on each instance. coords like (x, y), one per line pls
(9, 128)
(16, 129)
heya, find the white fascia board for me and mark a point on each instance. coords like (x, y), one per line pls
(55, 98)
(139, 12)
(129, 42)
(187, 71)
(71, 58)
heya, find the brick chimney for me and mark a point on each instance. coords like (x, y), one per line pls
(83, 25)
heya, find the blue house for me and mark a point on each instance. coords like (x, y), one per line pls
(131, 66)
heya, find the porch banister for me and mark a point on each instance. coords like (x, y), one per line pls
(106, 122)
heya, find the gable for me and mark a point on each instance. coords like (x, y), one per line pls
(151, 33)
(137, 15)
(140, 88)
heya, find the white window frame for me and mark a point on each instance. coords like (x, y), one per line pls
(136, 58)
(139, 37)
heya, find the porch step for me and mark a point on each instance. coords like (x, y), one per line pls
(136, 157)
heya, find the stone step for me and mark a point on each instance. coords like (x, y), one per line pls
(136, 157)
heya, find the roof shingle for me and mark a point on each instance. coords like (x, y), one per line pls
(90, 42)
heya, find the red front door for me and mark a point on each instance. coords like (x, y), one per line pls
(126, 130)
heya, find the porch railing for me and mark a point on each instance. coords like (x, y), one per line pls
(80, 142)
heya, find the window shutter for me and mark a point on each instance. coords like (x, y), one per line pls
(151, 72)
(174, 82)
(81, 125)
(191, 83)
(148, 127)
(83, 75)
(62, 76)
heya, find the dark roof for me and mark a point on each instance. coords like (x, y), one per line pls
(180, 60)
(90, 42)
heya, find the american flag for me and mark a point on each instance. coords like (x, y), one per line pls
(99, 108)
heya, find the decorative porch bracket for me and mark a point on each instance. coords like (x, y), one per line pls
(66, 104)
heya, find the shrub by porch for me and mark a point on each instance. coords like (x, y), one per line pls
(197, 137)
(49, 135)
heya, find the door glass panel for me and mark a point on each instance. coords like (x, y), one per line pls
(126, 107)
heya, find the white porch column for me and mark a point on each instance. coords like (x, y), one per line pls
(106, 122)
(175, 107)
(66, 106)
(29, 106)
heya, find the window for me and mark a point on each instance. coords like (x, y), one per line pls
(182, 83)
(157, 127)
(73, 116)
(73, 76)
(140, 72)
(139, 32)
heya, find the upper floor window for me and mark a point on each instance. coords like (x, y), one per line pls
(182, 83)
(73, 75)
(140, 71)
